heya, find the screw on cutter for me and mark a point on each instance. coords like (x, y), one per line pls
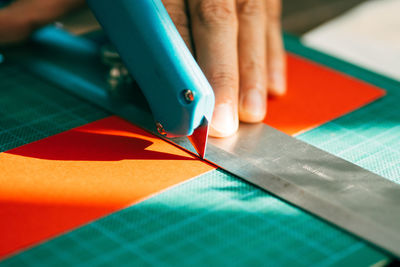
(188, 95)
(161, 129)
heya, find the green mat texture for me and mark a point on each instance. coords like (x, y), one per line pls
(31, 109)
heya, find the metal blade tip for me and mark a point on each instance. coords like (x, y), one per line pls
(199, 138)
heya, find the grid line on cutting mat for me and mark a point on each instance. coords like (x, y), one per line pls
(236, 231)
(368, 137)
(31, 109)
(234, 223)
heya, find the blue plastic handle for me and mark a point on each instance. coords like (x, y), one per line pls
(160, 62)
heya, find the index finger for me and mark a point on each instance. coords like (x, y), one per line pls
(214, 29)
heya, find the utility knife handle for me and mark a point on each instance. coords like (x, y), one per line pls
(152, 49)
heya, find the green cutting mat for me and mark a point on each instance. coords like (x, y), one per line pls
(31, 109)
(213, 220)
(217, 219)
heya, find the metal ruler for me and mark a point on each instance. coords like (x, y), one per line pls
(336, 190)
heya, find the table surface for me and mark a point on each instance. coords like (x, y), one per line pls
(298, 17)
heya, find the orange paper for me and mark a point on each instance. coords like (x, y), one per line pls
(64, 181)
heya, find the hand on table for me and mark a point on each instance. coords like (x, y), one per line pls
(237, 43)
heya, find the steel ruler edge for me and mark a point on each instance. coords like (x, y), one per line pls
(336, 190)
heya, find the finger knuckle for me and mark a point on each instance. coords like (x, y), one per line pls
(177, 14)
(251, 8)
(255, 66)
(274, 10)
(215, 12)
(221, 78)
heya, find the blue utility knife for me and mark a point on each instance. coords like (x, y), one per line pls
(178, 93)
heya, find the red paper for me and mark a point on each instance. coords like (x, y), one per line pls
(315, 95)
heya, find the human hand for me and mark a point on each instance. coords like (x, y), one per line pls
(21, 17)
(238, 45)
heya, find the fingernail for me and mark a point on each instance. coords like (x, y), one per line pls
(278, 83)
(253, 106)
(224, 122)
